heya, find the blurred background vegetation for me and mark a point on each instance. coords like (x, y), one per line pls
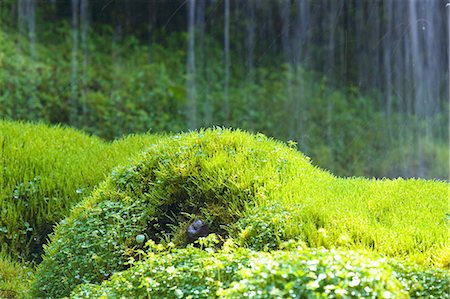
(361, 86)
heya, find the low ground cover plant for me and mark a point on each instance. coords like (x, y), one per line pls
(296, 271)
(236, 272)
(255, 190)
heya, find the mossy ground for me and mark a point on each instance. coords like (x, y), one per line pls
(252, 190)
(228, 178)
(44, 172)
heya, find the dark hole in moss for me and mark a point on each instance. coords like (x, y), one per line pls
(37, 241)
(172, 220)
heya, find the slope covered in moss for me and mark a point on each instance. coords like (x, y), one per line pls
(293, 272)
(44, 172)
(254, 189)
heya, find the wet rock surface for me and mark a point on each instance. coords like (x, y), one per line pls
(197, 229)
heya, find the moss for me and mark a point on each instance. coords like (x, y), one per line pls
(242, 273)
(226, 178)
(44, 171)
(212, 175)
(15, 277)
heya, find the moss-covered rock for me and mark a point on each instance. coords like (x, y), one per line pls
(228, 179)
(211, 175)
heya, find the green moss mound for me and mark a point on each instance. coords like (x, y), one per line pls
(44, 171)
(294, 272)
(245, 186)
(212, 175)
(243, 273)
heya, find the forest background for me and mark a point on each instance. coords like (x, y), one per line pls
(361, 86)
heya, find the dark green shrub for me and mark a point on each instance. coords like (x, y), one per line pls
(242, 273)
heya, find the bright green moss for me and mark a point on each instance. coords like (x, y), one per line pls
(242, 273)
(212, 175)
(44, 171)
(252, 188)
(15, 277)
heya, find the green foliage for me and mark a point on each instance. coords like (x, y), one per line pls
(428, 159)
(44, 171)
(242, 273)
(211, 175)
(263, 229)
(111, 99)
(422, 283)
(15, 277)
(259, 190)
(129, 87)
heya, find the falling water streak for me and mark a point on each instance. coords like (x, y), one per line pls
(200, 26)
(448, 75)
(84, 23)
(74, 78)
(419, 80)
(117, 63)
(268, 33)
(406, 134)
(299, 121)
(431, 31)
(227, 59)
(250, 38)
(286, 44)
(151, 26)
(285, 28)
(32, 38)
(21, 16)
(360, 28)
(387, 62)
(191, 88)
(375, 18)
(335, 7)
(250, 28)
(31, 22)
(202, 64)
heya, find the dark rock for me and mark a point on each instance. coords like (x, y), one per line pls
(197, 229)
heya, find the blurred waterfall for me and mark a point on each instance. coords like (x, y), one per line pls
(191, 87)
(74, 63)
(413, 46)
(79, 55)
(31, 22)
(84, 24)
(26, 19)
(319, 72)
(226, 41)
(295, 41)
(334, 7)
(250, 36)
